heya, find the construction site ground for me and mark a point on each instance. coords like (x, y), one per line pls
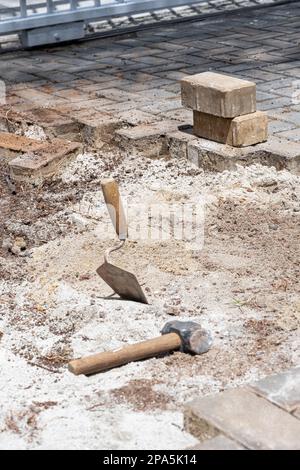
(242, 284)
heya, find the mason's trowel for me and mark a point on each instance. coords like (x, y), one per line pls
(122, 282)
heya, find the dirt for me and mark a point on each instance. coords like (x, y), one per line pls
(241, 283)
(140, 394)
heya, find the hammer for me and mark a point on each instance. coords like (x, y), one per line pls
(187, 336)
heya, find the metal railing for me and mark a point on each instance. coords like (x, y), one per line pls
(26, 15)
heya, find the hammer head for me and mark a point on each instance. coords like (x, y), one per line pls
(194, 338)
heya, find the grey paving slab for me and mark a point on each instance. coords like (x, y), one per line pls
(279, 126)
(282, 389)
(244, 417)
(220, 442)
(293, 135)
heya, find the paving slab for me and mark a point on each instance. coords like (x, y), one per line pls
(97, 128)
(54, 124)
(44, 161)
(135, 117)
(12, 144)
(218, 94)
(244, 417)
(178, 141)
(214, 156)
(240, 131)
(150, 139)
(220, 442)
(282, 389)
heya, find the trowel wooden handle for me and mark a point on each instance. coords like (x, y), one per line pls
(115, 208)
(134, 352)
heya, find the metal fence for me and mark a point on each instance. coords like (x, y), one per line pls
(25, 14)
(57, 20)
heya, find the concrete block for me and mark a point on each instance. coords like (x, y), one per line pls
(280, 153)
(218, 94)
(282, 389)
(220, 442)
(12, 145)
(149, 139)
(244, 417)
(53, 123)
(240, 131)
(44, 161)
(134, 117)
(213, 156)
(38, 98)
(177, 142)
(97, 128)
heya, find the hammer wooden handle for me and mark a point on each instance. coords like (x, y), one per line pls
(115, 208)
(133, 352)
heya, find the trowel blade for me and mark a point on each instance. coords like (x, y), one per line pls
(124, 283)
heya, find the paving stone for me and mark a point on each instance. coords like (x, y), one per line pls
(244, 417)
(287, 115)
(135, 117)
(220, 442)
(97, 128)
(157, 95)
(163, 106)
(120, 107)
(261, 74)
(263, 96)
(218, 94)
(115, 94)
(12, 145)
(44, 161)
(282, 389)
(275, 102)
(91, 105)
(160, 69)
(53, 123)
(281, 153)
(241, 131)
(280, 126)
(135, 87)
(293, 135)
(213, 156)
(180, 114)
(149, 139)
(39, 98)
(177, 142)
(72, 94)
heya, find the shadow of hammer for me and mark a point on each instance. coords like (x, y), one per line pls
(186, 336)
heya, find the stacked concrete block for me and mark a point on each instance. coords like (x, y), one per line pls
(224, 109)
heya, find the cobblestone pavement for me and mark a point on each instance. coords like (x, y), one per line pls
(141, 71)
